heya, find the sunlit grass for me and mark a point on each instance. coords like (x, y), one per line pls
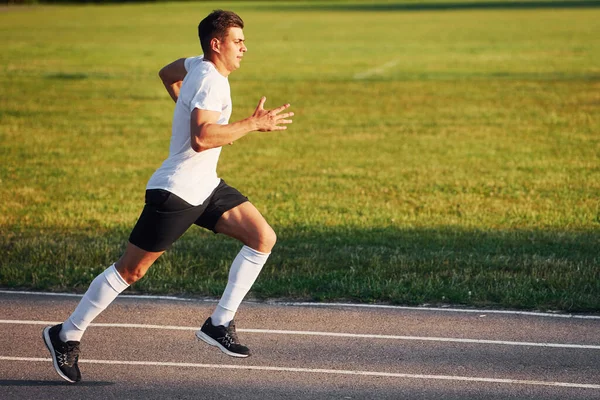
(435, 156)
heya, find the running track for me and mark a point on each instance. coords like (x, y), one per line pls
(145, 348)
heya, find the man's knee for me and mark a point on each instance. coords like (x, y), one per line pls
(266, 240)
(134, 263)
(131, 273)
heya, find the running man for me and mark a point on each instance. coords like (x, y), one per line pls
(185, 190)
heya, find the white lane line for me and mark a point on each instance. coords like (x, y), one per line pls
(425, 338)
(376, 71)
(321, 371)
(330, 334)
(443, 309)
(325, 305)
(124, 296)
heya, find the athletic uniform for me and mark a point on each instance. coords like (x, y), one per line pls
(185, 189)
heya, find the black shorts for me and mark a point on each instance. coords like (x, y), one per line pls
(166, 216)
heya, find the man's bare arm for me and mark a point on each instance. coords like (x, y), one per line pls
(172, 75)
(207, 134)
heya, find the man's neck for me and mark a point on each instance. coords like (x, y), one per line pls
(219, 66)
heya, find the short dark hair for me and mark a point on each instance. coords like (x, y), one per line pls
(215, 25)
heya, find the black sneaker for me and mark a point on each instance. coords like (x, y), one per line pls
(225, 338)
(64, 355)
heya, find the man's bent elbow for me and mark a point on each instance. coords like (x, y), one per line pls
(198, 145)
(198, 138)
(162, 74)
(167, 78)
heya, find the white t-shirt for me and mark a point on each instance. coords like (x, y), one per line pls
(185, 173)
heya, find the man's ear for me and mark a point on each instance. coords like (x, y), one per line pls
(215, 45)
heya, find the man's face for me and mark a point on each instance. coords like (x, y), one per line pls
(232, 48)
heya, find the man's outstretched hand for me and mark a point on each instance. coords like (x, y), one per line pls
(271, 120)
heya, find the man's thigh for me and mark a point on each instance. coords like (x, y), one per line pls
(223, 199)
(246, 224)
(229, 212)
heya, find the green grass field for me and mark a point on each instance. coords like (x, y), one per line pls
(439, 155)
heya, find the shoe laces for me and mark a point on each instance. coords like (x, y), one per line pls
(230, 337)
(70, 356)
(232, 333)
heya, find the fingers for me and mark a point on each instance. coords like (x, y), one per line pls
(261, 103)
(280, 109)
(280, 119)
(271, 120)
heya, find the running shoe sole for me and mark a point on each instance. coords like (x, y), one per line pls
(48, 343)
(207, 339)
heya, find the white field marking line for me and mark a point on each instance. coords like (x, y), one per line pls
(330, 334)
(320, 371)
(376, 71)
(325, 305)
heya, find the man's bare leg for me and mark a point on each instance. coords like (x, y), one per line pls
(246, 224)
(105, 288)
(135, 262)
(62, 340)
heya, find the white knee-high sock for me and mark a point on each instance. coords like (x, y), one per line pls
(244, 271)
(102, 291)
